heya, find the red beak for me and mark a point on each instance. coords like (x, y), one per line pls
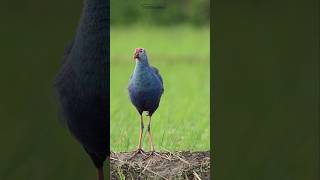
(136, 54)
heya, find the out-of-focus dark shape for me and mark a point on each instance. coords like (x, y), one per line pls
(82, 83)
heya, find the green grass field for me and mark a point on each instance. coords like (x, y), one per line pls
(182, 56)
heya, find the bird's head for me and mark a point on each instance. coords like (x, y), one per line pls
(140, 54)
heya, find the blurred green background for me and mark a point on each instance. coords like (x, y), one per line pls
(177, 41)
(35, 145)
(182, 56)
(160, 12)
(266, 90)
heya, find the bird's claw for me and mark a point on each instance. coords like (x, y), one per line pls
(154, 153)
(138, 151)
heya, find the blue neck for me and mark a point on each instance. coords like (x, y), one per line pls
(95, 16)
(141, 65)
(142, 62)
(91, 42)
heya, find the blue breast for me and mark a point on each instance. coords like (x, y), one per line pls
(145, 89)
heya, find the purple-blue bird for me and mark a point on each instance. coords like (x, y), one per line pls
(145, 90)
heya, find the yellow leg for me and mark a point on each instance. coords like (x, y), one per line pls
(141, 132)
(153, 152)
(139, 150)
(150, 135)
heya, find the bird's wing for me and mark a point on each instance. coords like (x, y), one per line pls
(156, 71)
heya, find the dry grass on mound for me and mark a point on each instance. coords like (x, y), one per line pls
(171, 165)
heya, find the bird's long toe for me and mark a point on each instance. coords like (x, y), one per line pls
(138, 151)
(155, 154)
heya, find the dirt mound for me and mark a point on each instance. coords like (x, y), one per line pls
(165, 165)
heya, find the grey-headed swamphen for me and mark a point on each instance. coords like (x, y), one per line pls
(83, 82)
(145, 90)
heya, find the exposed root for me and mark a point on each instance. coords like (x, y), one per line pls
(166, 165)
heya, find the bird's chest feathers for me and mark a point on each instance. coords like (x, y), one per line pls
(144, 79)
